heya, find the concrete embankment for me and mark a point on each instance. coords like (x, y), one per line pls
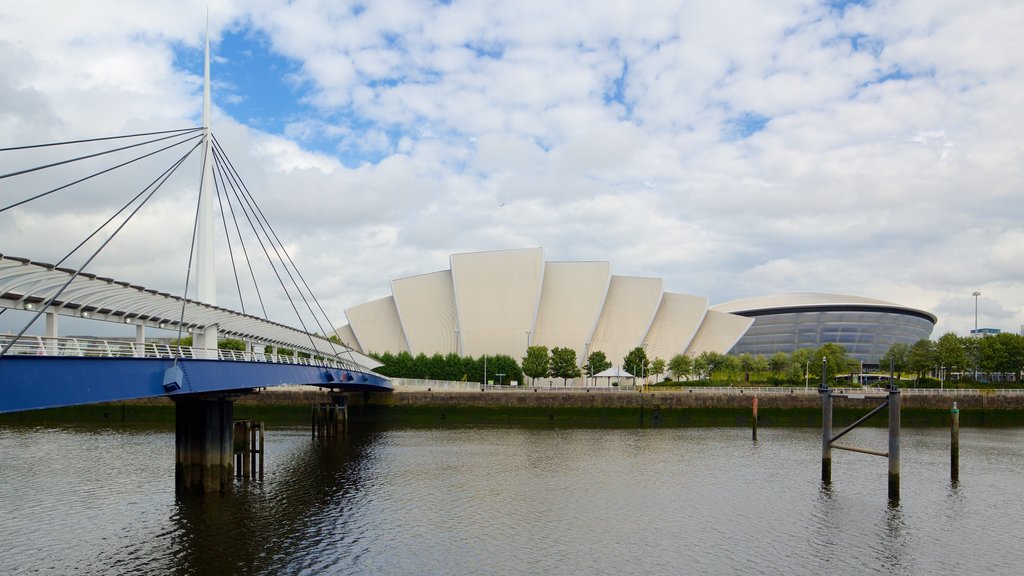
(573, 407)
(688, 407)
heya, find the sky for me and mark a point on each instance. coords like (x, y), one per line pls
(734, 148)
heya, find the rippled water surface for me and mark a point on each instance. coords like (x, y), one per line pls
(515, 501)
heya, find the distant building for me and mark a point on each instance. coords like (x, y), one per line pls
(865, 327)
(501, 302)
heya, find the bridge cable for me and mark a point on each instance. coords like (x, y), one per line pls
(85, 157)
(100, 173)
(155, 186)
(218, 183)
(116, 214)
(267, 252)
(313, 296)
(288, 256)
(66, 142)
(238, 231)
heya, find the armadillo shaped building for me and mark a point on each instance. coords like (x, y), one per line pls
(502, 302)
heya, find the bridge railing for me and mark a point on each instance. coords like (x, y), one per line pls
(91, 347)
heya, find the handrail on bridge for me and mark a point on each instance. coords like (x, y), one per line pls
(92, 347)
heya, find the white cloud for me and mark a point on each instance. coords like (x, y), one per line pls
(889, 162)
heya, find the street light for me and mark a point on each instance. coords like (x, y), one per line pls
(975, 334)
(586, 355)
(976, 294)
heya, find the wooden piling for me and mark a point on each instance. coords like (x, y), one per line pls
(754, 421)
(248, 449)
(894, 443)
(826, 435)
(954, 445)
(330, 419)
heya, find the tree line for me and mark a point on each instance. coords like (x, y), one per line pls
(992, 356)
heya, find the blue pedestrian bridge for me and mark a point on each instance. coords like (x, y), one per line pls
(49, 371)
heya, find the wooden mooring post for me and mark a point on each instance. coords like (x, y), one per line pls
(248, 449)
(753, 421)
(330, 419)
(954, 445)
(828, 440)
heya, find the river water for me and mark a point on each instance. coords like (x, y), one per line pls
(515, 501)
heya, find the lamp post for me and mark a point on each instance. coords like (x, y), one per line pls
(975, 334)
(976, 294)
(807, 372)
(586, 355)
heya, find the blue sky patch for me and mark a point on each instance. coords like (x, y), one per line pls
(744, 125)
(616, 91)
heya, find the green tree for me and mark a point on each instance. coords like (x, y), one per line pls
(231, 344)
(658, 367)
(921, 357)
(730, 368)
(504, 364)
(597, 363)
(681, 366)
(563, 363)
(1013, 344)
(760, 365)
(536, 362)
(950, 353)
(837, 361)
(896, 357)
(706, 363)
(636, 362)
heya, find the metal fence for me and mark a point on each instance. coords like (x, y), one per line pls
(411, 384)
(90, 347)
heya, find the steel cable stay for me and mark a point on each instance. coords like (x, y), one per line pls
(154, 186)
(218, 166)
(116, 214)
(84, 157)
(219, 185)
(270, 260)
(308, 289)
(272, 237)
(101, 172)
(100, 139)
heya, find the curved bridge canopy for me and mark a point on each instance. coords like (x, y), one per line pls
(28, 285)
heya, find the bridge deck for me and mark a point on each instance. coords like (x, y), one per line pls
(55, 373)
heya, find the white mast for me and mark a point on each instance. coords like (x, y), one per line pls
(205, 278)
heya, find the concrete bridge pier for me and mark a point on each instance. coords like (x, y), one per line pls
(203, 444)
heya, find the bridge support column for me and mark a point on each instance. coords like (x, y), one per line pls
(203, 444)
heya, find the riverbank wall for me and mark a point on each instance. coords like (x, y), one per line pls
(571, 408)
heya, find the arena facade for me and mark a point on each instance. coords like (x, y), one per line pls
(865, 327)
(501, 302)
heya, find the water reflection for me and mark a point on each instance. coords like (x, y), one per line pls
(512, 501)
(262, 527)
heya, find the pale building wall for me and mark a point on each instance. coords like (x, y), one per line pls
(718, 333)
(675, 325)
(496, 298)
(628, 312)
(570, 305)
(426, 307)
(376, 326)
(348, 337)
